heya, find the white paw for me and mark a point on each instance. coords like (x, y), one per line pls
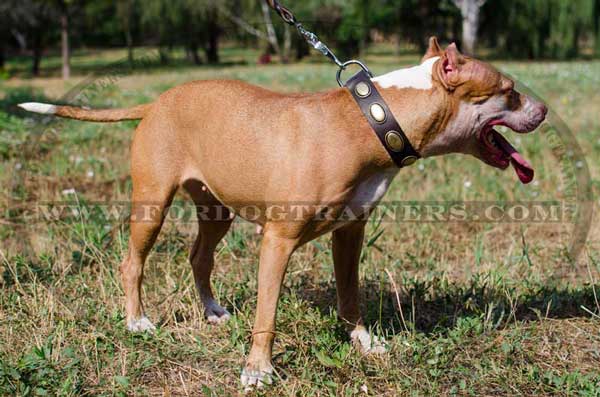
(141, 325)
(215, 314)
(218, 320)
(256, 378)
(368, 343)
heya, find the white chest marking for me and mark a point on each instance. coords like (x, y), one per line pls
(372, 190)
(418, 77)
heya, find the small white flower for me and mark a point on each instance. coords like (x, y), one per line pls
(90, 174)
(66, 192)
(18, 166)
(579, 164)
(468, 184)
(518, 141)
(536, 183)
(364, 389)
(421, 167)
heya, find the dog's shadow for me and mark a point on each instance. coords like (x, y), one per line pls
(435, 306)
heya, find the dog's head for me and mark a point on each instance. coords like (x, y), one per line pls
(481, 98)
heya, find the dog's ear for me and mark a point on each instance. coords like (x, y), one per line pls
(452, 62)
(434, 49)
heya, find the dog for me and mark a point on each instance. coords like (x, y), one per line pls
(228, 143)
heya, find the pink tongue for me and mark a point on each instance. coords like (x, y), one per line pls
(522, 167)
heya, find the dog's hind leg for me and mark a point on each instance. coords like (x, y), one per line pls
(150, 202)
(214, 221)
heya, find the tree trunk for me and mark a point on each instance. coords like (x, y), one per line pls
(163, 54)
(66, 50)
(271, 34)
(597, 26)
(129, 42)
(302, 49)
(193, 52)
(124, 12)
(37, 53)
(2, 55)
(470, 11)
(598, 43)
(287, 44)
(212, 47)
(129, 39)
(21, 41)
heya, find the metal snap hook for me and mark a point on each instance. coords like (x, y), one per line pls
(348, 63)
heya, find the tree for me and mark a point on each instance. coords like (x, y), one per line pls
(191, 23)
(597, 26)
(38, 20)
(470, 11)
(538, 28)
(64, 38)
(125, 15)
(279, 42)
(282, 51)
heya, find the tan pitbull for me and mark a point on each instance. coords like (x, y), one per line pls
(230, 144)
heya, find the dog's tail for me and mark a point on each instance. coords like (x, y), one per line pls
(99, 115)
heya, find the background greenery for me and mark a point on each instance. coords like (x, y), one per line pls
(559, 29)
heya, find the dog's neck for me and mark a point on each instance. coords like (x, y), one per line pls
(418, 101)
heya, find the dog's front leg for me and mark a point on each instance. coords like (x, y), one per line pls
(275, 252)
(347, 246)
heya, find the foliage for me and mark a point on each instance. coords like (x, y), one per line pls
(558, 29)
(539, 28)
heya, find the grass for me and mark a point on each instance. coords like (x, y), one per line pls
(487, 309)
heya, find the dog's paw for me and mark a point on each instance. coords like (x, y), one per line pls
(215, 314)
(255, 376)
(368, 343)
(141, 324)
(216, 319)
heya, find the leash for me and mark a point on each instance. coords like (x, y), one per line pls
(364, 92)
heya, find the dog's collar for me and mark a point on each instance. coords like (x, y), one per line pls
(381, 119)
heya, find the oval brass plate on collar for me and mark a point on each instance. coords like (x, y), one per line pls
(362, 90)
(377, 113)
(394, 141)
(410, 160)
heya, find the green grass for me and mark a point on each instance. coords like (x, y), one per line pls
(487, 309)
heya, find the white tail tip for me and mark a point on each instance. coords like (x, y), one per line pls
(37, 107)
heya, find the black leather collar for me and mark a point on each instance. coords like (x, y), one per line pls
(381, 119)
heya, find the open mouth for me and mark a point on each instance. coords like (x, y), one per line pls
(499, 153)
